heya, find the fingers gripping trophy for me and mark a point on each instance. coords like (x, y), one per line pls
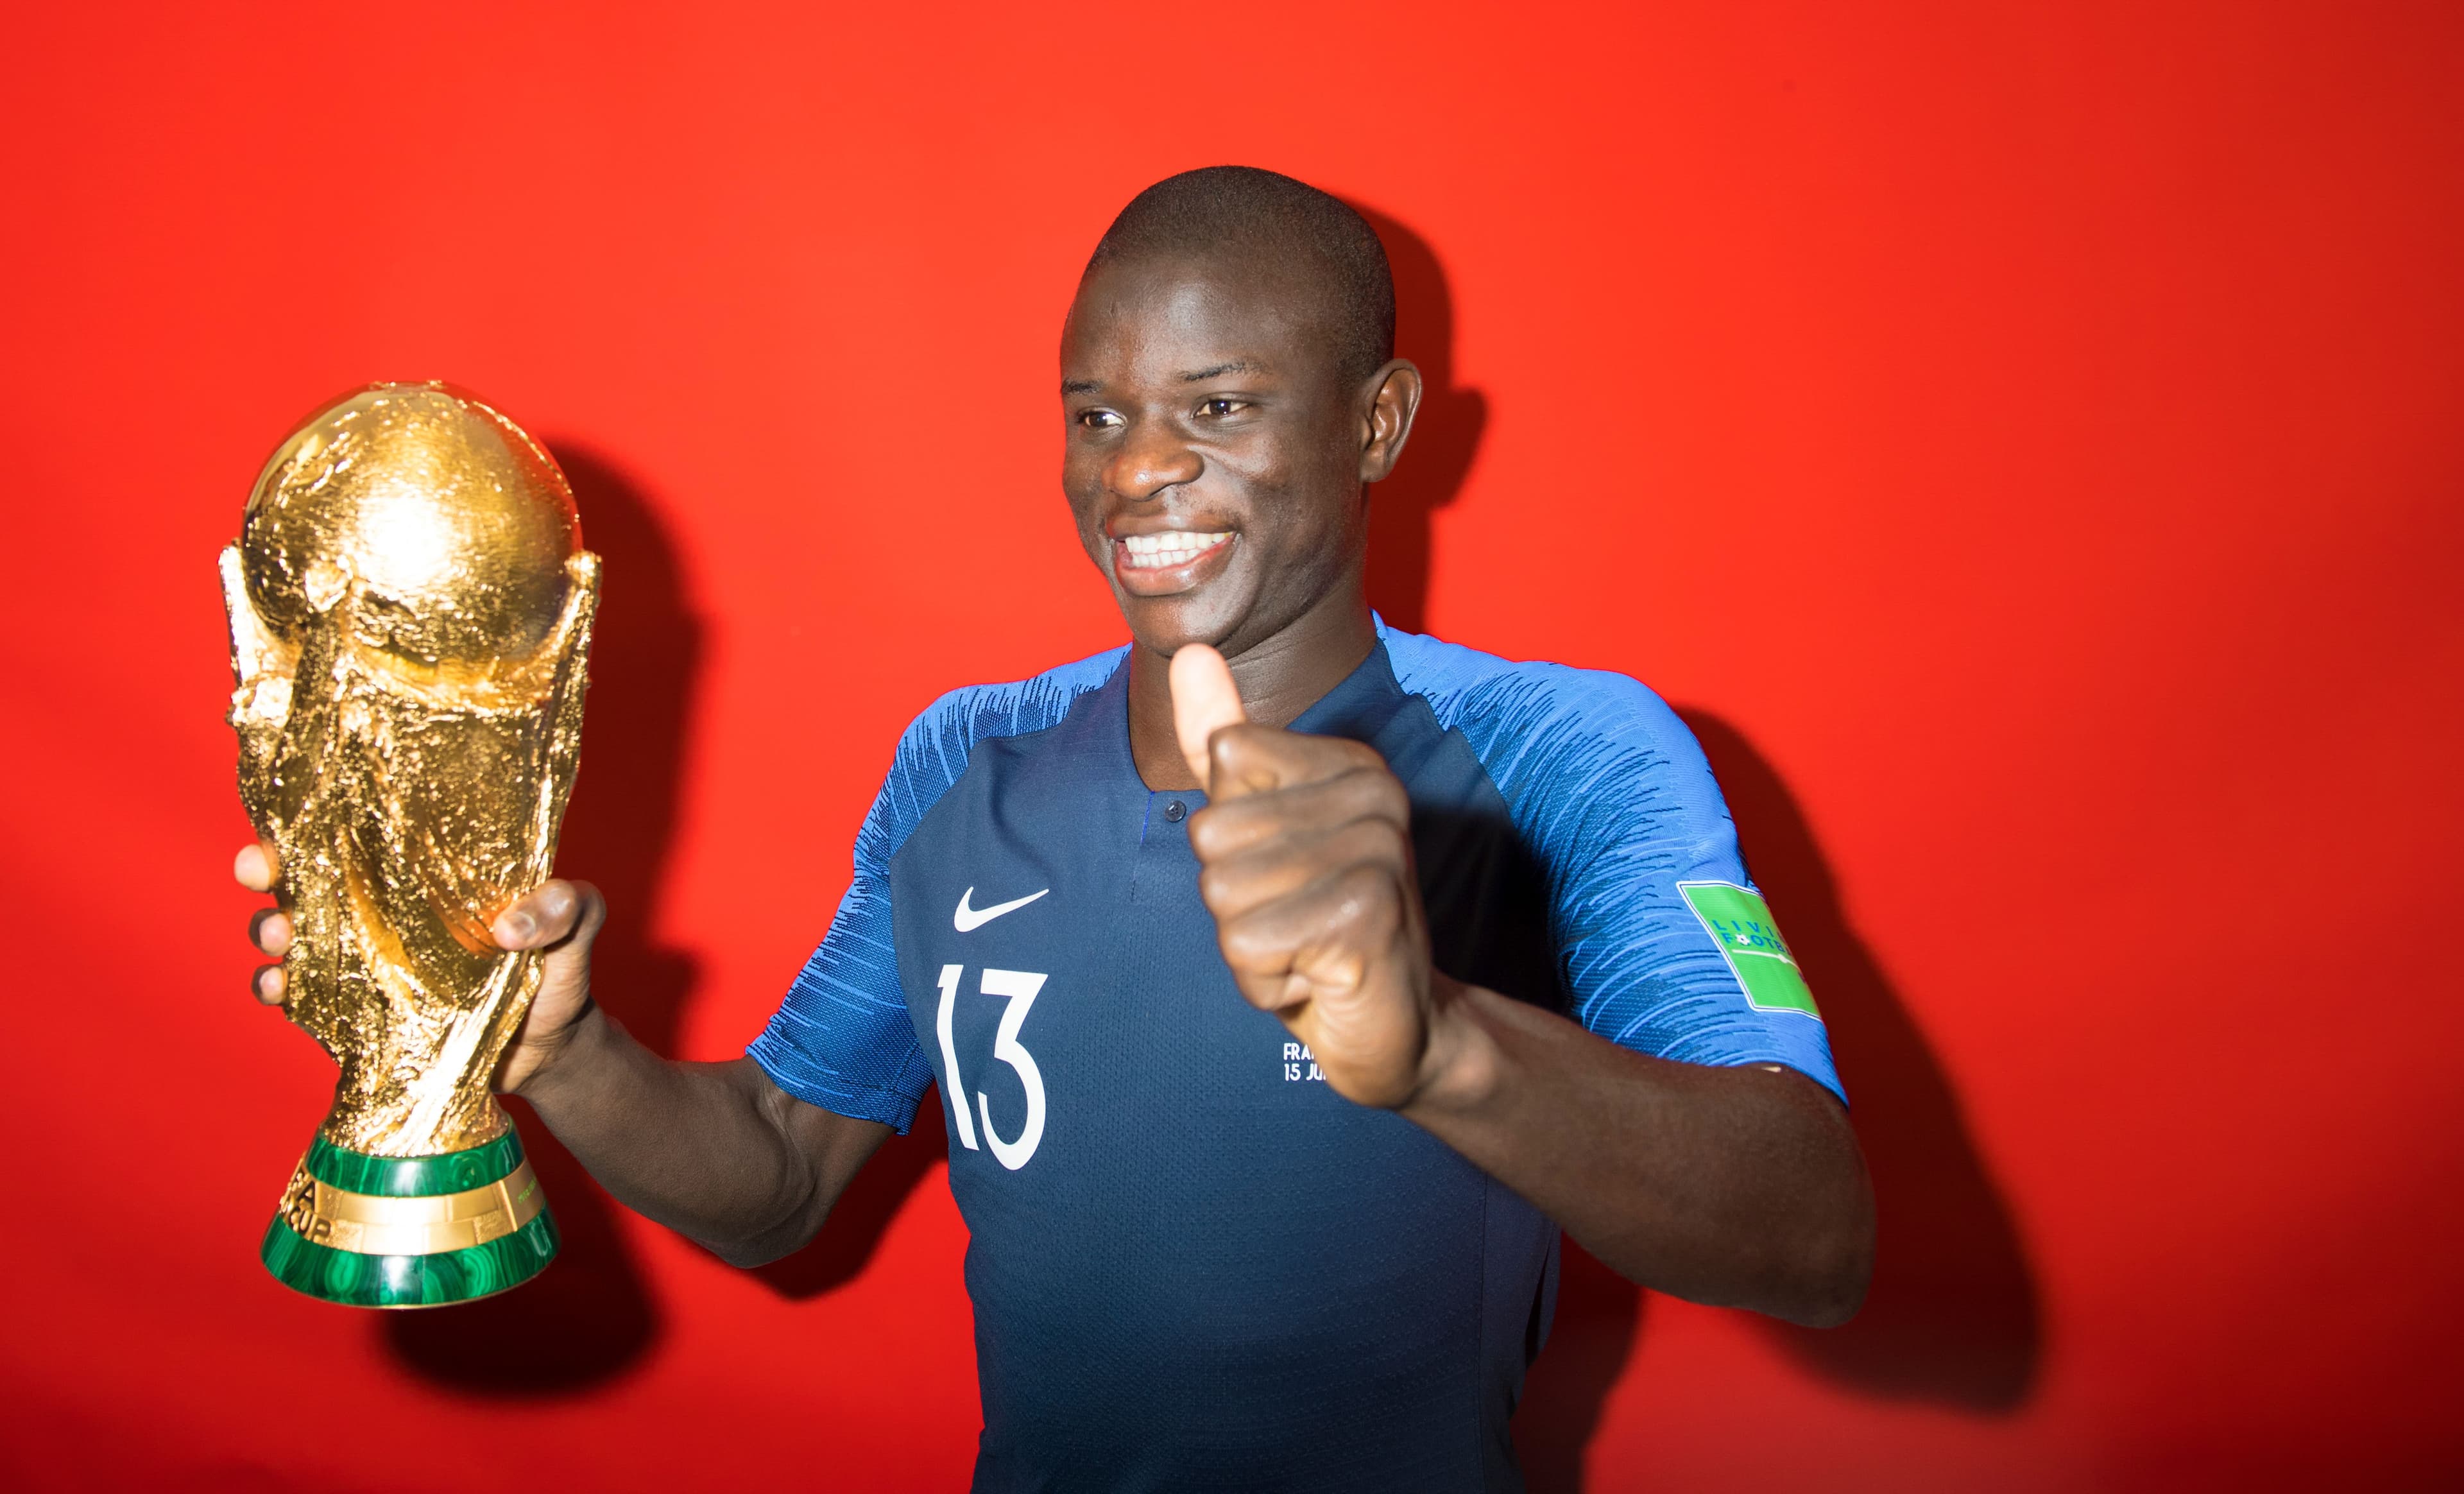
(410, 610)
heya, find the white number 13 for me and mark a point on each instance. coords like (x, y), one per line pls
(1020, 986)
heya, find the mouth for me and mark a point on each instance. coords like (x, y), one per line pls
(1168, 561)
(1167, 551)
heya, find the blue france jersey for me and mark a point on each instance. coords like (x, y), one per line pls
(1193, 1265)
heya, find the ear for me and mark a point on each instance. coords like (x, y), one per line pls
(1392, 399)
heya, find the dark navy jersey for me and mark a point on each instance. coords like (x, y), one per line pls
(1193, 1263)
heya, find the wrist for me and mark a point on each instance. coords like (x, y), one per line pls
(548, 1062)
(1462, 1065)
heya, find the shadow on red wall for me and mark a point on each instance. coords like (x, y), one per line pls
(589, 1317)
(845, 1246)
(1599, 1322)
(1444, 438)
(1953, 1316)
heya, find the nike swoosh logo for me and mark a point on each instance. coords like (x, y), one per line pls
(967, 919)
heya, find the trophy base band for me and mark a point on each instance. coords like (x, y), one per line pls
(411, 1232)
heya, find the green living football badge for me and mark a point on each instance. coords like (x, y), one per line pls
(1740, 922)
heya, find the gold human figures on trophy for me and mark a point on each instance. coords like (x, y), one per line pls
(410, 612)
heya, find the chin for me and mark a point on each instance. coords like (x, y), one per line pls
(1165, 623)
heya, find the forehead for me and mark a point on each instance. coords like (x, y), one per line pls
(1162, 319)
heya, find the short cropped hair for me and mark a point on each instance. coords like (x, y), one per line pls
(1248, 213)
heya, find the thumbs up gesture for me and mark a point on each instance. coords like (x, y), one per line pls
(1304, 859)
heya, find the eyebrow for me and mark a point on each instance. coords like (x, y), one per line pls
(1237, 366)
(1070, 387)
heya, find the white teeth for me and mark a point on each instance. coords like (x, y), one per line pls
(1160, 552)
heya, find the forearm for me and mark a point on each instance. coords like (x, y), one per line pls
(1742, 1187)
(713, 1151)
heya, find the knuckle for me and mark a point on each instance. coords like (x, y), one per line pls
(1368, 900)
(1230, 746)
(1253, 947)
(1376, 790)
(1369, 844)
(1244, 824)
(1361, 789)
(1212, 832)
(1375, 837)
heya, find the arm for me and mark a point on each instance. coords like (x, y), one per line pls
(713, 1151)
(1740, 1187)
(1737, 1186)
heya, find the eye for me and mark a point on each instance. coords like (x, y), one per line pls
(1098, 419)
(1221, 407)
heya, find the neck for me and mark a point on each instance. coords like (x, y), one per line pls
(1279, 677)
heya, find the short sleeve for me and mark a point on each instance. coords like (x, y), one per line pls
(843, 1040)
(1666, 943)
(1663, 940)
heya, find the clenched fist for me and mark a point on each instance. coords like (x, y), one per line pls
(1305, 857)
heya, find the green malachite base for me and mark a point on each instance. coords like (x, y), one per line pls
(410, 1281)
(358, 1281)
(414, 1176)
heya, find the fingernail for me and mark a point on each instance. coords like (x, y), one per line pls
(517, 928)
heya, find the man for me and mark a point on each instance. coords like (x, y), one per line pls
(1288, 980)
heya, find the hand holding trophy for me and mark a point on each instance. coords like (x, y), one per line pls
(410, 612)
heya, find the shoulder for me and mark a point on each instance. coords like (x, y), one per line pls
(1527, 718)
(1586, 759)
(945, 732)
(933, 751)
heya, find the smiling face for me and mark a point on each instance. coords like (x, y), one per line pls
(1216, 448)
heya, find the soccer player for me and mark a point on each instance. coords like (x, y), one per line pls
(1288, 980)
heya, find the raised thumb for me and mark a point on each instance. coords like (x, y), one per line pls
(1205, 702)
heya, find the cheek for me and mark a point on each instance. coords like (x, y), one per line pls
(1314, 483)
(1323, 459)
(1081, 484)
(1087, 517)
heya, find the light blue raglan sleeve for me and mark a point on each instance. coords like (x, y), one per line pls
(1609, 787)
(1648, 904)
(841, 1039)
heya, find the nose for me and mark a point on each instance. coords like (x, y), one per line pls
(1153, 459)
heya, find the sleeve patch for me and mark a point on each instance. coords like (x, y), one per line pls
(1740, 922)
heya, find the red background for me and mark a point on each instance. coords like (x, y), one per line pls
(2023, 438)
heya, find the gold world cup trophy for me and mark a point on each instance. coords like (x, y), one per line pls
(410, 610)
